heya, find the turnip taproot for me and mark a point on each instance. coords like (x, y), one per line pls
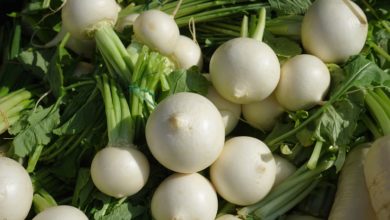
(83, 18)
(245, 171)
(16, 190)
(185, 196)
(119, 171)
(230, 111)
(62, 212)
(304, 81)
(263, 114)
(244, 70)
(185, 132)
(284, 169)
(187, 53)
(352, 201)
(334, 30)
(377, 175)
(157, 30)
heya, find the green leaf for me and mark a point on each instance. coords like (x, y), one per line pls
(124, 211)
(55, 74)
(289, 7)
(35, 61)
(83, 189)
(82, 118)
(282, 46)
(41, 122)
(190, 80)
(339, 121)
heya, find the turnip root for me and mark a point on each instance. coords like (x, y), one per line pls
(185, 132)
(230, 111)
(157, 30)
(16, 190)
(187, 53)
(263, 114)
(334, 30)
(62, 212)
(304, 81)
(119, 171)
(377, 175)
(82, 18)
(245, 171)
(185, 196)
(244, 70)
(352, 201)
(284, 169)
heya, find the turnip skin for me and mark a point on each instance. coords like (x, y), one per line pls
(352, 200)
(284, 169)
(185, 132)
(244, 70)
(263, 114)
(119, 171)
(185, 197)
(230, 111)
(377, 175)
(127, 21)
(245, 171)
(334, 30)
(81, 18)
(157, 30)
(62, 212)
(304, 81)
(187, 53)
(16, 190)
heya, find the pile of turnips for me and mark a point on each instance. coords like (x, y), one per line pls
(187, 132)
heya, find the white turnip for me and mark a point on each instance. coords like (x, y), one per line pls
(157, 30)
(377, 175)
(230, 111)
(304, 81)
(352, 201)
(245, 171)
(62, 212)
(185, 196)
(263, 114)
(187, 53)
(16, 190)
(334, 30)
(284, 169)
(185, 132)
(119, 171)
(244, 70)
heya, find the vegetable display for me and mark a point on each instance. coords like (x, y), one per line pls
(195, 109)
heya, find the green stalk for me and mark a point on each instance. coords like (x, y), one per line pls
(244, 27)
(18, 108)
(378, 112)
(276, 212)
(336, 95)
(379, 50)
(259, 31)
(278, 203)
(33, 160)
(372, 127)
(217, 13)
(383, 100)
(312, 163)
(304, 176)
(119, 123)
(114, 53)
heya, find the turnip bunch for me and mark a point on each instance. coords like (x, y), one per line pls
(118, 170)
